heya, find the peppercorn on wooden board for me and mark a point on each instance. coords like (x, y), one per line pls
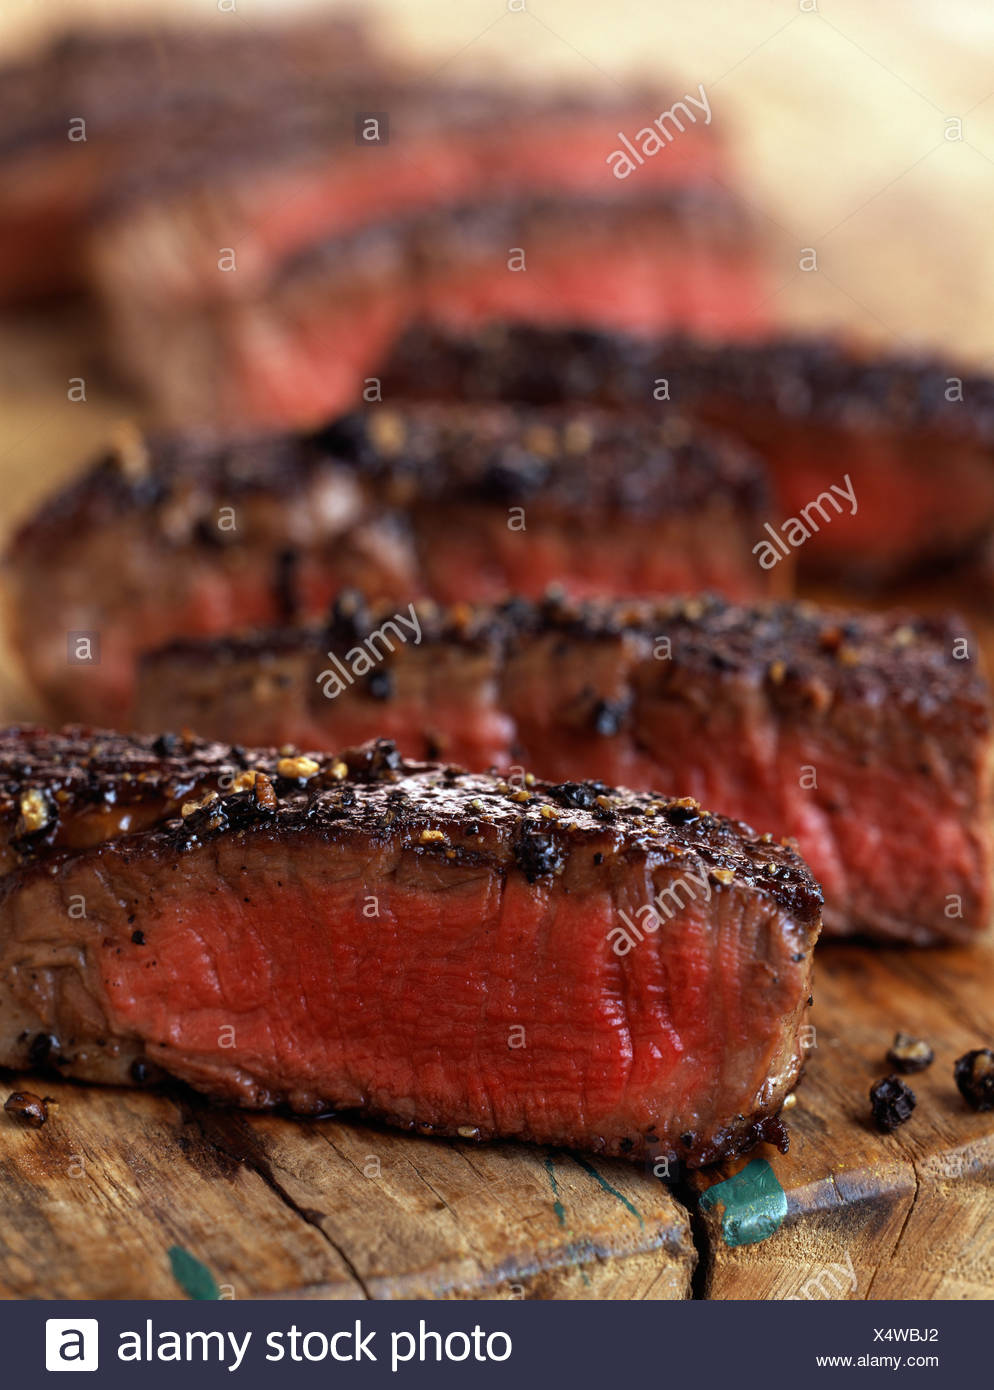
(873, 1215)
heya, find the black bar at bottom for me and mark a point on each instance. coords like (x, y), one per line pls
(692, 1344)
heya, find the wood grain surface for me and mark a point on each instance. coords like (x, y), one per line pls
(912, 1212)
(95, 1200)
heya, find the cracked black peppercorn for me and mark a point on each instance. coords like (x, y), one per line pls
(578, 796)
(379, 685)
(908, 1054)
(892, 1101)
(608, 718)
(537, 855)
(24, 1108)
(43, 1049)
(974, 1073)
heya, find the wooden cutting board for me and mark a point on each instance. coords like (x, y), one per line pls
(870, 1215)
(128, 1194)
(134, 1195)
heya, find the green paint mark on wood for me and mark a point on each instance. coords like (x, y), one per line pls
(557, 1207)
(754, 1204)
(589, 1168)
(560, 1211)
(194, 1279)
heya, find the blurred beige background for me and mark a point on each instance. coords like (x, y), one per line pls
(837, 111)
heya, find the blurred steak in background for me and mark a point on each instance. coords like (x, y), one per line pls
(868, 737)
(96, 108)
(259, 212)
(914, 435)
(301, 351)
(259, 277)
(182, 535)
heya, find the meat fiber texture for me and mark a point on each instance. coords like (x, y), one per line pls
(866, 737)
(258, 281)
(882, 464)
(561, 964)
(183, 536)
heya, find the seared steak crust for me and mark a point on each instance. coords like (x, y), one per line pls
(366, 790)
(429, 243)
(173, 481)
(520, 362)
(814, 721)
(464, 866)
(78, 788)
(185, 534)
(117, 77)
(820, 379)
(913, 434)
(568, 458)
(803, 651)
(406, 455)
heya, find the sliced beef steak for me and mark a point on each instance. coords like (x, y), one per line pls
(915, 436)
(402, 198)
(181, 536)
(656, 260)
(868, 737)
(561, 963)
(383, 146)
(85, 115)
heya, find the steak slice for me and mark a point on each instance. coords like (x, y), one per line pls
(179, 535)
(145, 95)
(660, 259)
(563, 963)
(335, 241)
(915, 435)
(435, 146)
(867, 737)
